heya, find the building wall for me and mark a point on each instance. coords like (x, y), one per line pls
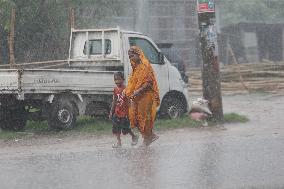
(165, 21)
(283, 43)
(253, 42)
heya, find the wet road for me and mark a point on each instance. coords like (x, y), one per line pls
(237, 156)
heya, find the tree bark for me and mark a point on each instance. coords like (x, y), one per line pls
(210, 68)
(11, 37)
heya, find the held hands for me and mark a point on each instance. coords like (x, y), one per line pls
(135, 93)
(140, 90)
(123, 93)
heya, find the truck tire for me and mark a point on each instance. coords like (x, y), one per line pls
(14, 118)
(172, 108)
(62, 115)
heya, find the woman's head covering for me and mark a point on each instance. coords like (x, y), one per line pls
(141, 55)
(141, 74)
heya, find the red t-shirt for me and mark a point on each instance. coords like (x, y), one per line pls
(121, 106)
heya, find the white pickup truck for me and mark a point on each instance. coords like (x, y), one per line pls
(59, 91)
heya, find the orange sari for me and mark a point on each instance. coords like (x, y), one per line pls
(142, 111)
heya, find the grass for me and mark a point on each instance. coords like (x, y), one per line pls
(90, 125)
(182, 122)
(235, 118)
(8, 135)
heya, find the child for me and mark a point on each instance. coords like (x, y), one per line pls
(119, 112)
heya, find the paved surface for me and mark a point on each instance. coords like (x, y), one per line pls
(247, 155)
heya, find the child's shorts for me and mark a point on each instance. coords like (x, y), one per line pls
(120, 125)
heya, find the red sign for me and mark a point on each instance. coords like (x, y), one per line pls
(205, 6)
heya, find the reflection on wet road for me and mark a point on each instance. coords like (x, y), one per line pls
(234, 156)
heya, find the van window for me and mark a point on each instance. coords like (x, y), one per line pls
(95, 47)
(149, 50)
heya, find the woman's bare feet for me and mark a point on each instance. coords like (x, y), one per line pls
(148, 141)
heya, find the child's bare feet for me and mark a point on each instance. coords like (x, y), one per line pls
(116, 145)
(134, 140)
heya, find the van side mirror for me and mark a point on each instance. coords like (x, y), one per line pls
(161, 58)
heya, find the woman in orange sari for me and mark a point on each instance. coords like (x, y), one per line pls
(142, 90)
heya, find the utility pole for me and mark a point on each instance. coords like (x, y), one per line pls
(0, 48)
(209, 50)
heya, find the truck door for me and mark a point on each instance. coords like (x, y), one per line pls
(154, 56)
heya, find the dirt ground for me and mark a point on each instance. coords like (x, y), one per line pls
(251, 105)
(227, 156)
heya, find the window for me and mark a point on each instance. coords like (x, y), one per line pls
(149, 50)
(95, 47)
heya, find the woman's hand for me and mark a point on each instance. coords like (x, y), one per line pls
(143, 88)
(135, 94)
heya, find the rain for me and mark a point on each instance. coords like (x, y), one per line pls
(141, 94)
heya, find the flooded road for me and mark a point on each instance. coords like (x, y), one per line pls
(249, 155)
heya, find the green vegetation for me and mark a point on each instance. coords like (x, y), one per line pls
(42, 27)
(90, 125)
(45, 24)
(235, 118)
(178, 123)
(8, 135)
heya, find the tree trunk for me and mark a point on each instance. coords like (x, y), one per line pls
(11, 39)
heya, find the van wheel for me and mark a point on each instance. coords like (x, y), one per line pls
(172, 108)
(62, 115)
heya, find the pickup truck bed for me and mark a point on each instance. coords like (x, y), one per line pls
(29, 81)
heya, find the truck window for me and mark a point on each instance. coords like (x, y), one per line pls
(149, 50)
(95, 47)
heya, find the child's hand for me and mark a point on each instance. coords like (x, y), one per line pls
(110, 116)
(123, 93)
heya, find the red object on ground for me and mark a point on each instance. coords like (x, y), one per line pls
(199, 116)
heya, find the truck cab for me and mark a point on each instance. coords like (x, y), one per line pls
(173, 90)
(113, 44)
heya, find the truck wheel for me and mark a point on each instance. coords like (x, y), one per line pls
(62, 115)
(172, 108)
